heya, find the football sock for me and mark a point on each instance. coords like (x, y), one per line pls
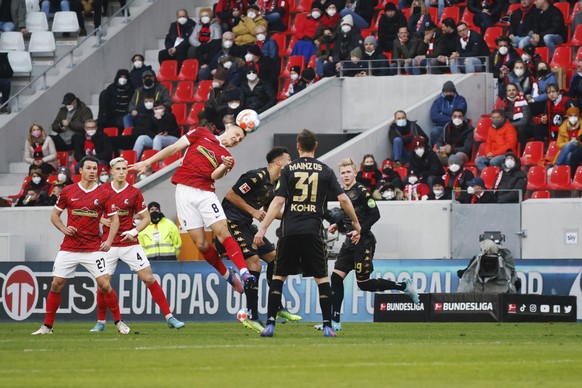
(101, 306)
(112, 304)
(252, 295)
(270, 270)
(159, 297)
(235, 254)
(211, 256)
(53, 301)
(337, 295)
(325, 302)
(374, 285)
(275, 293)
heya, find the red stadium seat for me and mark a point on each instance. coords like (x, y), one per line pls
(473, 169)
(512, 8)
(433, 13)
(298, 22)
(402, 171)
(304, 6)
(544, 53)
(168, 85)
(564, 7)
(127, 131)
(376, 20)
(533, 153)
(189, 70)
(111, 131)
(63, 158)
(184, 92)
(168, 71)
(489, 175)
(552, 152)
(562, 57)
(491, 34)
(577, 7)
(312, 62)
(451, 12)
(295, 60)
(192, 118)
(482, 129)
(577, 37)
(281, 40)
(203, 91)
(540, 194)
(283, 89)
(51, 179)
(25, 183)
(129, 155)
(179, 110)
(468, 18)
(537, 178)
(560, 178)
(577, 181)
(289, 49)
(148, 154)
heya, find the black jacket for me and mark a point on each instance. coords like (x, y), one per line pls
(183, 31)
(461, 139)
(114, 101)
(426, 166)
(344, 44)
(149, 125)
(388, 30)
(406, 133)
(519, 27)
(103, 147)
(513, 179)
(453, 185)
(261, 98)
(550, 22)
(495, 8)
(476, 46)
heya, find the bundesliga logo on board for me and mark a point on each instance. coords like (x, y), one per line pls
(463, 306)
(403, 306)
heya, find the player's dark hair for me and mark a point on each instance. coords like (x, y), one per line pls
(307, 140)
(88, 159)
(275, 153)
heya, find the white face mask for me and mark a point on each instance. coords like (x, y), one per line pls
(227, 65)
(205, 19)
(252, 76)
(103, 178)
(419, 152)
(182, 21)
(159, 112)
(412, 179)
(437, 193)
(233, 105)
(61, 177)
(401, 123)
(316, 14)
(346, 28)
(470, 190)
(510, 163)
(294, 76)
(573, 119)
(503, 50)
(388, 194)
(454, 167)
(148, 105)
(252, 15)
(261, 37)
(138, 64)
(69, 107)
(457, 122)
(227, 44)
(519, 72)
(36, 180)
(331, 12)
(122, 81)
(248, 57)
(524, 57)
(215, 84)
(91, 132)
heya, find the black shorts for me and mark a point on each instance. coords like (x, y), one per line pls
(301, 254)
(243, 234)
(358, 258)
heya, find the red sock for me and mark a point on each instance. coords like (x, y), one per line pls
(112, 304)
(160, 297)
(234, 252)
(101, 306)
(211, 256)
(53, 301)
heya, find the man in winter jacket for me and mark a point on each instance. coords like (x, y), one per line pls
(442, 109)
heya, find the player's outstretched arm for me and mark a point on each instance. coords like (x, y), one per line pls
(144, 221)
(239, 202)
(142, 166)
(106, 245)
(348, 208)
(58, 223)
(274, 209)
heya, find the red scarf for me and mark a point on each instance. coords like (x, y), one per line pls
(38, 152)
(430, 45)
(89, 147)
(204, 34)
(524, 11)
(518, 105)
(456, 185)
(419, 23)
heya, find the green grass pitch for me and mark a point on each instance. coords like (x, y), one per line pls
(228, 355)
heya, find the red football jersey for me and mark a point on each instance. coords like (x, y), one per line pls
(128, 202)
(202, 157)
(84, 209)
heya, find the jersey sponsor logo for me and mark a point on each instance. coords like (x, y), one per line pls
(20, 293)
(244, 188)
(122, 212)
(85, 212)
(208, 155)
(371, 203)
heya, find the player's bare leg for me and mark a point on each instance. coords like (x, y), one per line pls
(159, 297)
(211, 256)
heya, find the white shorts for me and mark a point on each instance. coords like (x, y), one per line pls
(197, 208)
(66, 263)
(133, 255)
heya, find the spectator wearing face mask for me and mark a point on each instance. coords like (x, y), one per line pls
(517, 111)
(37, 182)
(510, 179)
(442, 108)
(217, 105)
(151, 87)
(161, 238)
(520, 76)
(324, 46)
(39, 150)
(425, 162)
(223, 55)
(92, 143)
(206, 37)
(477, 193)
(456, 179)
(63, 177)
(294, 80)
(388, 192)
(330, 18)
(347, 39)
(369, 175)
(157, 130)
(229, 12)
(401, 134)
(568, 135)
(70, 120)
(176, 42)
(501, 136)
(256, 94)
(415, 189)
(268, 46)
(306, 32)
(438, 192)
(114, 101)
(245, 30)
(503, 57)
(138, 67)
(389, 177)
(457, 138)
(103, 174)
(307, 78)
(267, 68)
(389, 25)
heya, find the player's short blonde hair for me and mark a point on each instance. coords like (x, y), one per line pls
(346, 163)
(117, 160)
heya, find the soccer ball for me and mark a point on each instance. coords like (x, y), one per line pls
(248, 120)
(242, 314)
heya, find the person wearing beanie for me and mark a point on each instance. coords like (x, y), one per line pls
(256, 93)
(438, 192)
(355, 68)
(331, 17)
(456, 178)
(510, 179)
(177, 39)
(401, 134)
(361, 12)
(151, 87)
(442, 108)
(306, 30)
(478, 193)
(415, 188)
(245, 30)
(294, 75)
(531, 59)
(388, 26)
(424, 161)
(161, 238)
(568, 135)
(216, 106)
(268, 70)
(70, 120)
(374, 58)
(390, 177)
(114, 101)
(456, 139)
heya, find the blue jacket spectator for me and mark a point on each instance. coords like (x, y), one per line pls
(442, 109)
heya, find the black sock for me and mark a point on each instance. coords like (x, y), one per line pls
(270, 268)
(374, 285)
(252, 295)
(275, 293)
(325, 302)
(337, 295)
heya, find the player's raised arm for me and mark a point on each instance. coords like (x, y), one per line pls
(58, 223)
(272, 213)
(223, 168)
(142, 166)
(348, 208)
